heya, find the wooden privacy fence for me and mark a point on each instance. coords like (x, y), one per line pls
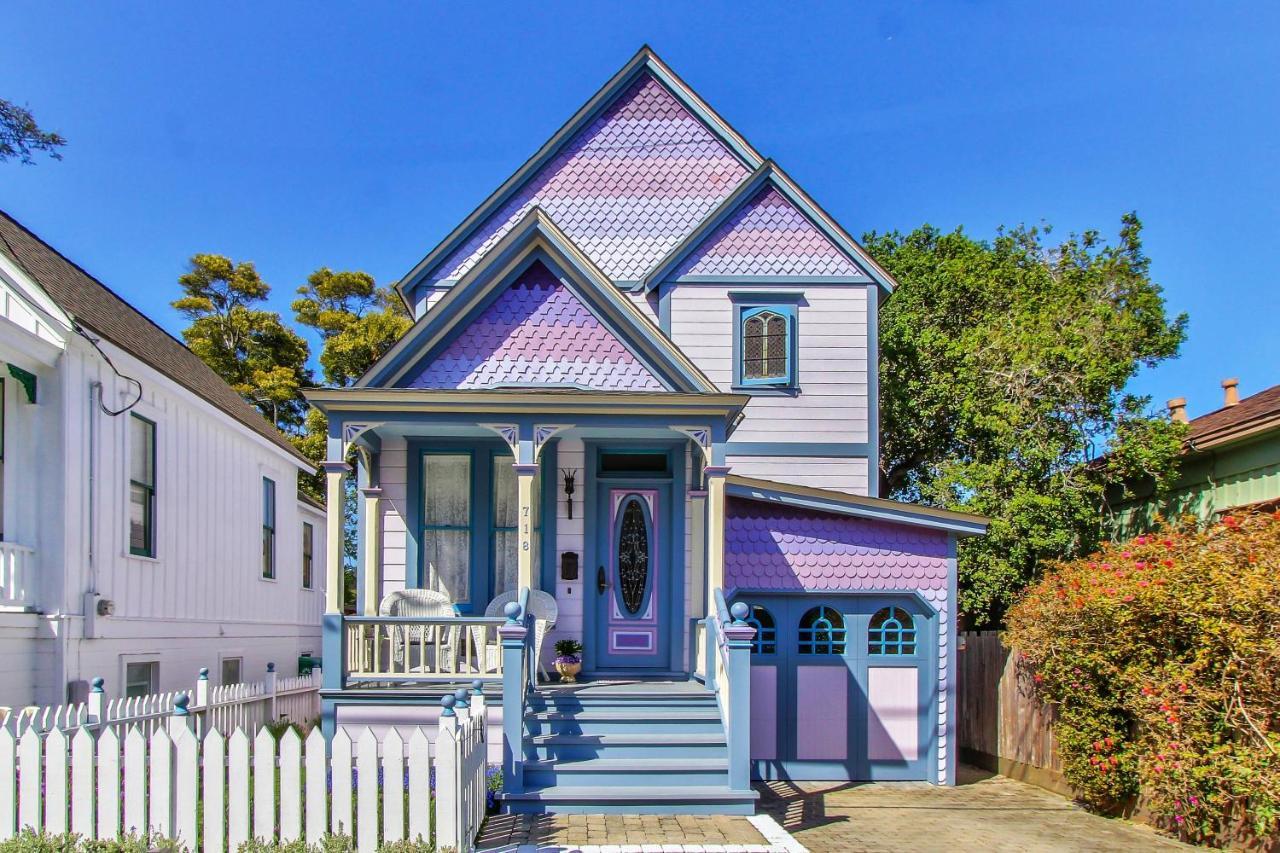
(224, 707)
(1002, 725)
(213, 793)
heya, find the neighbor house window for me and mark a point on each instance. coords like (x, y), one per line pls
(142, 486)
(231, 668)
(141, 678)
(308, 553)
(446, 524)
(268, 528)
(764, 343)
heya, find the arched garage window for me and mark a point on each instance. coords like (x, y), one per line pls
(765, 641)
(892, 632)
(822, 632)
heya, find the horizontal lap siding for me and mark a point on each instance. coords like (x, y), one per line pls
(569, 537)
(843, 475)
(393, 477)
(832, 403)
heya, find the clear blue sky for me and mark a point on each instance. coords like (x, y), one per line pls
(302, 135)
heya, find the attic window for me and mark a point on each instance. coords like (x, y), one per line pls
(765, 347)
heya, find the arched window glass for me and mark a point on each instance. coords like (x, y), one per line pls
(892, 632)
(765, 641)
(822, 632)
(764, 346)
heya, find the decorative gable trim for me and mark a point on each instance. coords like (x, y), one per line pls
(644, 61)
(770, 174)
(535, 238)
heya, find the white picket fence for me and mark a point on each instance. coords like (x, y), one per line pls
(225, 707)
(213, 793)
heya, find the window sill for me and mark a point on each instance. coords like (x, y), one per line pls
(268, 580)
(787, 390)
(142, 558)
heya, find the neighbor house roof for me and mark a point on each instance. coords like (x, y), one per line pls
(1251, 415)
(93, 305)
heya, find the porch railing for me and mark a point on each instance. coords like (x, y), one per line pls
(728, 672)
(17, 567)
(412, 648)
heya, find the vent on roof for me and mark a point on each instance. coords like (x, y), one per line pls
(1230, 392)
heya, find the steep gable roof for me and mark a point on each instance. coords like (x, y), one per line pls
(93, 305)
(769, 227)
(536, 238)
(632, 172)
(537, 332)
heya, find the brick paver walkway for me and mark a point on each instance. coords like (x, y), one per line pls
(989, 813)
(571, 832)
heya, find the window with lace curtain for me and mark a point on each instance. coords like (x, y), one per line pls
(765, 350)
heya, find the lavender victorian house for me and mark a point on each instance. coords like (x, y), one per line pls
(638, 408)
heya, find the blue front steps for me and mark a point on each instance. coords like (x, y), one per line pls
(626, 747)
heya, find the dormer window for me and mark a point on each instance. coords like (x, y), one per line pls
(764, 340)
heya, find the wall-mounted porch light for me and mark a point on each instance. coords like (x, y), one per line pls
(569, 477)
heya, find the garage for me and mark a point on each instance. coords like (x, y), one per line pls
(843, 687)
(853, 601)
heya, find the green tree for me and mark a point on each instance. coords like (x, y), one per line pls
(1003, 374)
(20, 135)
(357, 322)
(251, 348)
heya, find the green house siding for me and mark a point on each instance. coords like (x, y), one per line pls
(1211, 482)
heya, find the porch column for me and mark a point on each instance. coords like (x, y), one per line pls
(334, 472)
(526, 476)
(372, 592)
(715, 526)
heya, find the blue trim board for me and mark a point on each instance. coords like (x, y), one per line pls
(818, 450)
(770, 280)
(873, 391)
(644, 60)
(876, 508)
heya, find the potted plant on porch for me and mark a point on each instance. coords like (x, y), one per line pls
(568, 660)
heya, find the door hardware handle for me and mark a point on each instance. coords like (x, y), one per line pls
(601, 583)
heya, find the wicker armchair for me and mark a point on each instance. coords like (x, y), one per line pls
(424, 603)
(542, 606)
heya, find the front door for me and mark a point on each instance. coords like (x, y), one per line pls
(630, 598)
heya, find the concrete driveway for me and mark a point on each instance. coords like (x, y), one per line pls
(983, 812)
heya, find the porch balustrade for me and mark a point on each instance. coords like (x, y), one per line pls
(728, 662)
(422, 649)
(17, 576)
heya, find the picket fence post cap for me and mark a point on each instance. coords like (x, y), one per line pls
(180, 704)
(204, 673)
(447, 702)
(271, 666)
(98, 682)
(477, 687)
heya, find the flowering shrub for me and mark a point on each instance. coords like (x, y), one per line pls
(1162, 655)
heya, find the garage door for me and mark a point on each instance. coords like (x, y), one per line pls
(842, 687)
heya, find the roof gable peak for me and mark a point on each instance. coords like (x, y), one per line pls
(644, 62)
(768, 174)
(536, 238)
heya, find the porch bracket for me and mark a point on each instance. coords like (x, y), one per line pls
(353, 431)
(510, 433)
(701, 436)
(542, 433)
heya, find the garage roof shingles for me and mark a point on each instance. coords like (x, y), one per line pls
(770, 547)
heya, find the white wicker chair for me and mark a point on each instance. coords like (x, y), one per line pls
(542, 606)
(424, 603)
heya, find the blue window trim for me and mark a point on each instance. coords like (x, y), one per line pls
(482, 453)
(746, 306)
(895, 635)
(828, 635)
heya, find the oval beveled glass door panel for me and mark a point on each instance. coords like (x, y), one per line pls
(633, 555)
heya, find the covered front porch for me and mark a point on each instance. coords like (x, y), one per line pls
(595, 516)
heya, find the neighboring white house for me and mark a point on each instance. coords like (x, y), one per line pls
(151, 518)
